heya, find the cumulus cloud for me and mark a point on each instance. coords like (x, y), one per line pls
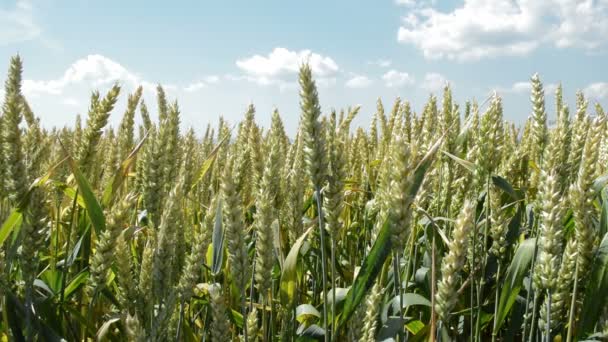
(198, 85)
(598, 90)
(487, 28)
(92, 71)
(521, 87)
(95, 70)
(358, 82)
(434, 82)
(525, 87)
(281, 63)
(195, 87)
(17, 23)
(394, 78)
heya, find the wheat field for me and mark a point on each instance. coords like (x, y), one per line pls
(449, 224)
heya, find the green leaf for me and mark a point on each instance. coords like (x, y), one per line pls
(208, 163)
(600, 182)
(409, 299)
(372, 265)
(289, 274)
(596, 292)
(276, 242)
(514, 227)
(75, 284)
(311, 332)
(505, 186)
(414, 326)
(514, 278)
(121, 174)
(13, 220)
(44, 286)
(340, 295)
(390, 328)
(236, 317)
(305, 312)
(603, 228)
(105, 328)
(217, 241)
(91, 204)
(71, 192)
(464, 163)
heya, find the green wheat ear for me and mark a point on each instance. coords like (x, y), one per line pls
(312, 131)
(12, 113)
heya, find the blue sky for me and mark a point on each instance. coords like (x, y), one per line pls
(216, 57)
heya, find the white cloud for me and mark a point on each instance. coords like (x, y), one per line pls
(281, 63)
(434, 82)
(550, 88)
(525, 87)
(212, 79)
(521, 87)
(195, 87)
(598, 90)
(405, 2)
(487, 28)
(394, 78)
(95, 70)
(359, 81)
(198, 85)
(383, 63)
(17, 24)
(70, 101)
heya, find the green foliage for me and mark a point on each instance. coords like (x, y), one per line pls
(421, 227)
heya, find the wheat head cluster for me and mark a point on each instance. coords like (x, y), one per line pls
(452, 224)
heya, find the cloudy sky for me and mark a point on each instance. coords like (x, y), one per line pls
(216, 57)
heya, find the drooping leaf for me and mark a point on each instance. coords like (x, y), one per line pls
(105, 328)
(409, 299)
(121, 174)
(464, 163)
(305, 312)
(340, 295)
(505, 186)
(600, 182)
(310, 332)
(208, 163)
(42, 285)
(289, 274)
